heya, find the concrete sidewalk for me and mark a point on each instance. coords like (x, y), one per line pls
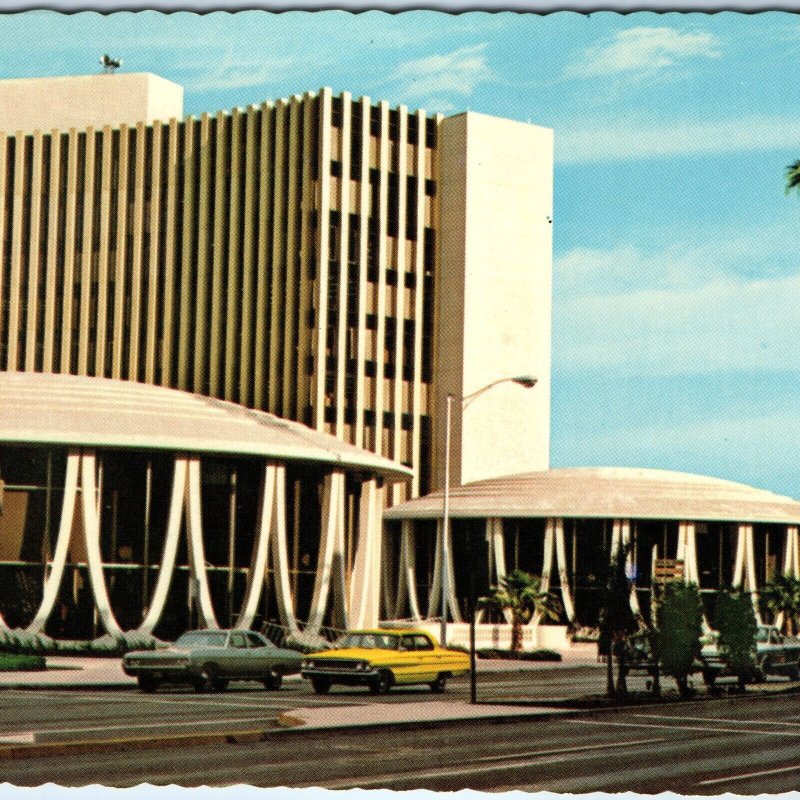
(375, 714)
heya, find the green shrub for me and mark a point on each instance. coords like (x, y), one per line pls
(735, 620)
(18, 662)
(680, 618)
(520, 655)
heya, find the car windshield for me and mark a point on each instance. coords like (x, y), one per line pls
(369, 641)
(202, 639)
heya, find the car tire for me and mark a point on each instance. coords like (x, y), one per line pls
(760, 675)
(382, 683)
(147, 683)
(794, 673)
(207, 681)
(273, 681)
(321, 685)
(709, 677)
(440, 684)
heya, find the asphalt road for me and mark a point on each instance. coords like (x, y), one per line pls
(744, 745)
(45, 715)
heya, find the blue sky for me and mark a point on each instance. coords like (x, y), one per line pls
(676, 270)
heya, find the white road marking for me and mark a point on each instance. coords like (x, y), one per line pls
(577, 749)
(18, 738)
(746, 775)
(147, 726)
(717, 719)
(699, 728)
(510, 761)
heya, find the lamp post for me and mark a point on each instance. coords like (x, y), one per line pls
(526, 381)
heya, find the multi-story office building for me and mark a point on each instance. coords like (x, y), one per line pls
(330, 260)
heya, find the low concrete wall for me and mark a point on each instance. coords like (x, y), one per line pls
(553, 637)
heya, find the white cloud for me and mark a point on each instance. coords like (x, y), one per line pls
(667, 313)
(622, 140)
(457, 72)
(643, 51)
(735, 256)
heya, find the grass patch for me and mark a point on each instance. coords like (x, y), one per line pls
(19, 662)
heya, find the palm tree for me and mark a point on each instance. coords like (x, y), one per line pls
(782, 595)
(521, 593)
(793, 177)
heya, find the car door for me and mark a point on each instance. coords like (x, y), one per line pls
(237, 655)
(428, 658)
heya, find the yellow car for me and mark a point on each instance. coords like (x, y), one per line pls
(380, 659)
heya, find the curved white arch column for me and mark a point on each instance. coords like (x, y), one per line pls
(791, 563)
(687, 553)
(280, 556)
(258, 560)
(364, 583)
(745, 566)
(90, 497)
(170, 550)
(495, 537)
(407, 574)
(434, 601)
(197, 559)
(53, 581)
(330, 563)
(554, 541)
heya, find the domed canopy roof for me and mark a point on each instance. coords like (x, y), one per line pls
(77, 411)
(606, 492)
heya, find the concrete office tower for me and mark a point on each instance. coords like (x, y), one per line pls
(80, 101)
(289, 257)
(494, 309)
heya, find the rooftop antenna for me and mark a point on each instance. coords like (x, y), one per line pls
(110, 65)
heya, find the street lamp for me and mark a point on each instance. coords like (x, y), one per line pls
(526, 381)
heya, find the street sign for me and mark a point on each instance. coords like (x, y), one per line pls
(668, 570)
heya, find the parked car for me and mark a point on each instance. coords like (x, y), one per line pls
(380, 659)
(209, 659)
(775, 655)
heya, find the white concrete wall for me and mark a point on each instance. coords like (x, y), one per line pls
(494, 301)
(80, 101)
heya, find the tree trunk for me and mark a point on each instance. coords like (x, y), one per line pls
(610, 688)
(622, 686)
(516, 635)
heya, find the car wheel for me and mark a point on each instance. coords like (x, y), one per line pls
(274, 681)
(147, 683)
(439, 684)
(382, 683)
(794, 673)
(321, 685)
(207, 681)
(760, 675)
(221, 684)
(709, 677)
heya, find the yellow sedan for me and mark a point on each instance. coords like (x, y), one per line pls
(380, 659)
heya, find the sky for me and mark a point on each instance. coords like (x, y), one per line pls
(676, 285)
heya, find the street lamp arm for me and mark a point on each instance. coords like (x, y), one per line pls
(528, 381)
